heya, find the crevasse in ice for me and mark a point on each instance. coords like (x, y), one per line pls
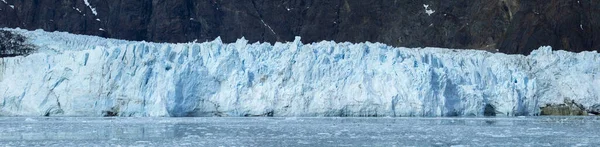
(76, 75)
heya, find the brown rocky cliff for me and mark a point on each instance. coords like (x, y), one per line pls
(513, 26)
(572, 25)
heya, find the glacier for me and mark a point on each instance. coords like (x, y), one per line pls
(78, 75)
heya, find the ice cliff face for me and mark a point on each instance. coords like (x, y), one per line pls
(74, 75)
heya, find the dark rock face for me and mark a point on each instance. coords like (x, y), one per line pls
(12, 44)
(572, 25)
(514, 26)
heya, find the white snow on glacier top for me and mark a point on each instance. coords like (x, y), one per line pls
(76, 75)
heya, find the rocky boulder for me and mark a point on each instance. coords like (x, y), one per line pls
(568, 108)
(594, 109)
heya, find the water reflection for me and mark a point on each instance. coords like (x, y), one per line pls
(292, 131)
(490, 122)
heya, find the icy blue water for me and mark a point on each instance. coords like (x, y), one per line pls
(514, 131)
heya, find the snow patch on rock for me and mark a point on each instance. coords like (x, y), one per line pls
(428, 10)
(91, 8)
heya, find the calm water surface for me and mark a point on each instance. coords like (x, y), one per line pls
(516, 131)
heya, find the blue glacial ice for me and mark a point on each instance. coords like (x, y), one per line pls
(77, 75)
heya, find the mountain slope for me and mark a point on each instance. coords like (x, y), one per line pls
(513, 26)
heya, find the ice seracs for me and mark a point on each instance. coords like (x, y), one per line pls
(75, 75)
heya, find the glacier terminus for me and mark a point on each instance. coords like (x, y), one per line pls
(77, 75)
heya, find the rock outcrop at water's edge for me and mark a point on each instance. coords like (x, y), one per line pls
(595, 109)
(569, 107)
